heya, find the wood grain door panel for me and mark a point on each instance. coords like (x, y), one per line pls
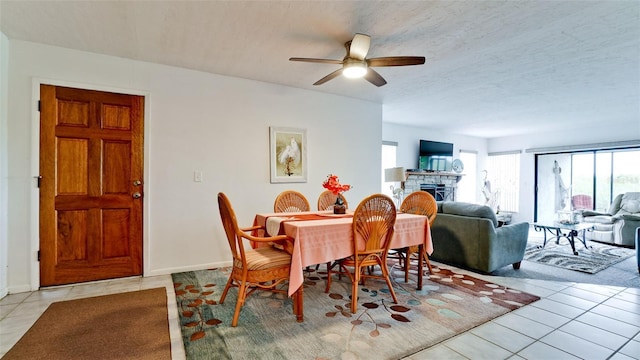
(91, 157)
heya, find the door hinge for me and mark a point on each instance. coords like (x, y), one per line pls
(39, 180)
(38, 255)
(39, 105)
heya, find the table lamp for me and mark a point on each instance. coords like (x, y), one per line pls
(392, 175)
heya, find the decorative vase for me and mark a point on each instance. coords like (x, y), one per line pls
(338, 207)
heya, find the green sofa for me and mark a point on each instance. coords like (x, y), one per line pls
(467, 235)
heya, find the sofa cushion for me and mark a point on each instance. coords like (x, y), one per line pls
(630, 203)
(615, 205)
(468, 209)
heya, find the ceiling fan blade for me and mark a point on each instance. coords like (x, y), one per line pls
(325, 61)
(396, 61)
(328, 77)
(359, 46)
(373, 77)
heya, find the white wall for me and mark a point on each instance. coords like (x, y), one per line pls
(408, 139)
(194, 121)
(4, 93)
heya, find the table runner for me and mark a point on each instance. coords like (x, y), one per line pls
(275, 224)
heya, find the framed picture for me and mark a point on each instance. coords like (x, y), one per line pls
(288, 154)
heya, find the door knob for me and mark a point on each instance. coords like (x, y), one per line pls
(136, 195)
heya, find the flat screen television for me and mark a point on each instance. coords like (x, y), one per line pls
(435, 156)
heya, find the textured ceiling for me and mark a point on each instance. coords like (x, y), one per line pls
(493, 68)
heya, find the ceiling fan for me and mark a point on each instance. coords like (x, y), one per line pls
(355, 64)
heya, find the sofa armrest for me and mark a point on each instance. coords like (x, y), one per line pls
(514, 230)
(631, 217)
(592, 213)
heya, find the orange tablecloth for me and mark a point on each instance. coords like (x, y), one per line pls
(321, 241)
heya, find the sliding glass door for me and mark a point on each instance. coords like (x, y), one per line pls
(583, 180)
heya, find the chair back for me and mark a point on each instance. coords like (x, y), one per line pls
(291, 201)
(373, 223)
(581, 202)
(232, 230)
(420, 203)
(327, 199)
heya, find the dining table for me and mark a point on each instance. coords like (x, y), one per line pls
(320, 237)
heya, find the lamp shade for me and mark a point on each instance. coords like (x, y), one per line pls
(394, 174)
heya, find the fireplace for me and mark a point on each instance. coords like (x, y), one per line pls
(442, 185)
(440, 192)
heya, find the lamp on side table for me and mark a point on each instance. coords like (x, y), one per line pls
(396, 174)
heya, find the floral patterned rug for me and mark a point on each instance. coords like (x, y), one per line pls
(450, 303)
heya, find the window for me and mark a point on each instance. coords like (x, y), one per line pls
(503, 174)
(613, 171)
(468, 184)
(598, 175)
(389, 149)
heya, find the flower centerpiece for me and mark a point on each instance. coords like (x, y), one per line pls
(332, 183)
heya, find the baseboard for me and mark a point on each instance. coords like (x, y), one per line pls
(169, 271)
(19, 289)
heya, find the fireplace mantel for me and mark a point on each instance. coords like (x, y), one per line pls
(442, 185)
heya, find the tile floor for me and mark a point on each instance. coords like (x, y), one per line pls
(571, 321)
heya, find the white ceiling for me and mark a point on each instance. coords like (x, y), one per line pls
(493, 68)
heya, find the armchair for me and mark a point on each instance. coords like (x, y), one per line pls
(617, 225)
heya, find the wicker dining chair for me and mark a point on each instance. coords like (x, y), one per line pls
(263, 268)
(327, 199)
(372, 229)
(419, 203)
(291, 201)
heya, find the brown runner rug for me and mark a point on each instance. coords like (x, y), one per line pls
(132, 325)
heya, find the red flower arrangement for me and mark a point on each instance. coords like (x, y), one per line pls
(333, 184)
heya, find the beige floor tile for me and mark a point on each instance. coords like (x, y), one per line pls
(538, 351)
(619, 356)
(559, 308)
(14, 298)
(600, 289)
(438, 352)
(629, 296)
(585, 294)
(596, 335)
(502, 336)
(572, 301)
(6, 309)
(474, 347)
(611, 325)
(524, 326)
(625, 305)
(632, 349)
(576, 346)
(618, 314)
(542, 316)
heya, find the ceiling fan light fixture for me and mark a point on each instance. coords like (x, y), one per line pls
(354, 70)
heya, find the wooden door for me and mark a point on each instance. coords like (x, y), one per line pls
(91, 166)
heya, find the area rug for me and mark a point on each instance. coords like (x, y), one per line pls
(450, 303)
(594, 258)
(132, 325)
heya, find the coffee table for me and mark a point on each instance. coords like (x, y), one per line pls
(561, 230)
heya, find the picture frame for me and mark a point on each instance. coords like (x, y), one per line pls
(288, 154)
